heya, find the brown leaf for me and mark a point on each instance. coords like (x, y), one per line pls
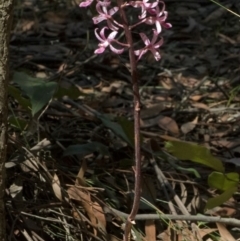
(100, 216)
(57, 187)
(85, 198)
(150, 230)
(226, 39)
(224, 233)
(114, 238)
(189, 126)
(80, 180)
(227, 144)
(166, 235)
(168, 124)
(93, 209)
(115, 87)
(189, 235)
(206, 231)
(152, 111)
(225, 212)
(215, 95)
(27, 25)
(149, 122)
(167, 83)
(168, 138)
(59, 18)
(200, 106)
(195, 97)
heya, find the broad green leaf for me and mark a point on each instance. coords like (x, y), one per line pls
(223, 181)
(39, 91)
(17, 122)
(72, 92)
(86, 149)
(193, 152)
(149, 193)
(116, 128)
(17, 95)
(219, 200)
(126, 163)
(128, 128)
(42, 95)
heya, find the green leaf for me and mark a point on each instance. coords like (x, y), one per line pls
(86, 149)
(39, 91)
(17, 95)
(219, 200)
(126, 163)
(222, 181)
(42, 95)
(72, 92)
(116, 128)
(193, 152)
(17, 122)
(128, 128)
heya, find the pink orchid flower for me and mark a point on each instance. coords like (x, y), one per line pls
(105, 14)
(146, 7)
(159, 20)
(85, 3)
(105, 42)
(150, 45)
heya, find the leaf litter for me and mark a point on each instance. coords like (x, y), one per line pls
(70, 147)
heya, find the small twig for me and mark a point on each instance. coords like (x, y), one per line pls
(162, 179)
(193, 218)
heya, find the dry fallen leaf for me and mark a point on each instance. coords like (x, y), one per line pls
(206, 231)
(152, 111)
(224, 233)
(168, 138)
(100, 216)
(168, 124)
(150, 230)
(58, 18)
(166, 235)
(57, 187)
(227, 144)
(190, 235)
(199, 105)
(189, 126)
(80, 180)
(195, 97)
(93, 209)
(85, 198)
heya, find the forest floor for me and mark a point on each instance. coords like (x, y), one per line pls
(70, 155)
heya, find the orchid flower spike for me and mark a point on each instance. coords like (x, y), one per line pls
(105, 14)
(146, 7)
(159, 20)
(105, 42)
(150, 45)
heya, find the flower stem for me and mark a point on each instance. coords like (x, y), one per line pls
(136, 100)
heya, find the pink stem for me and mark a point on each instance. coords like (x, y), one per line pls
(137, 168)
